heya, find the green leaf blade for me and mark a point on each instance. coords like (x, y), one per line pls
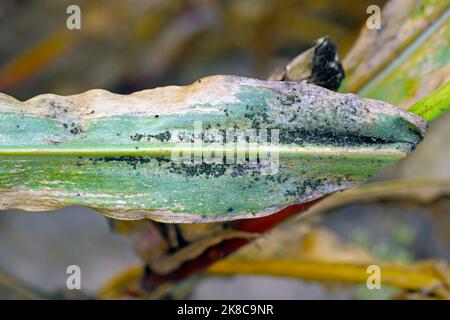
(115, 153)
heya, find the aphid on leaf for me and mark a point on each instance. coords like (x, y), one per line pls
(123, 160)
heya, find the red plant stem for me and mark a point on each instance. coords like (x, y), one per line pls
(223, 249)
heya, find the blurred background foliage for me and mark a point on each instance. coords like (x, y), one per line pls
(132, 45)
(125, 46)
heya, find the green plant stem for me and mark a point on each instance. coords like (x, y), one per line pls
(434, 105)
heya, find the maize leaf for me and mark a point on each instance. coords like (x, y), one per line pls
(115, 153)
(406, 59)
